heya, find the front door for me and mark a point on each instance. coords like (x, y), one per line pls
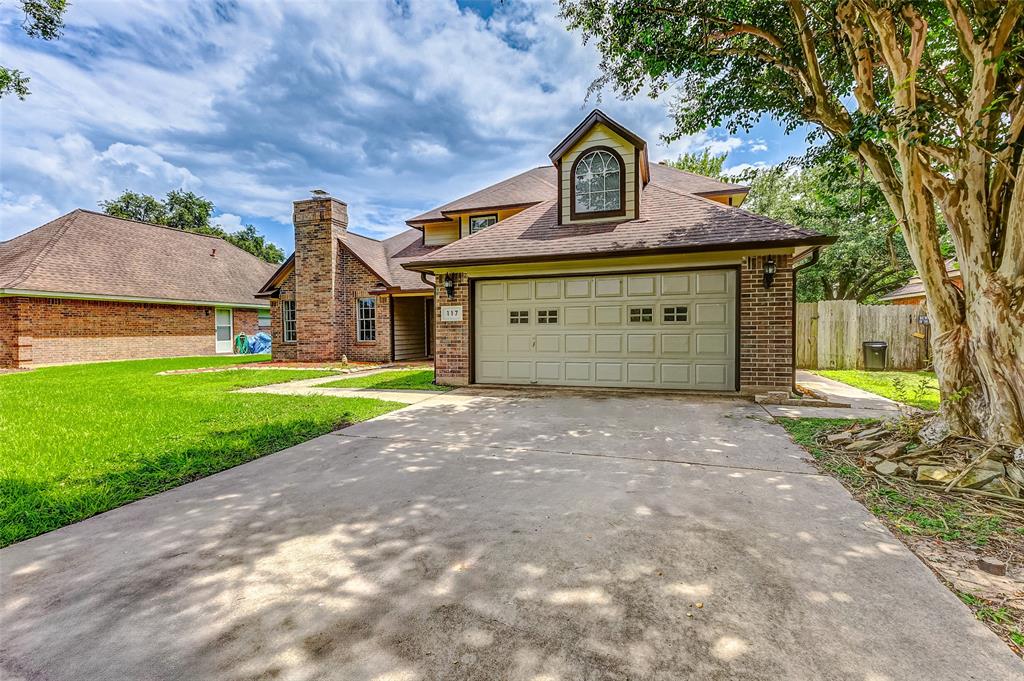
(224, 330)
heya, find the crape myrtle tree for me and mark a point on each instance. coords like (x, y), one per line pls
(926, 93)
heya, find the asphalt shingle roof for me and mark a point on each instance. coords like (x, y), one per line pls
(90, 253)
(671, 219)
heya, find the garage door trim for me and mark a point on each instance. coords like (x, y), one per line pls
(472, 281)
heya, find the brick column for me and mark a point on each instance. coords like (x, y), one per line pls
(766, 326)
(318, 225)
(452, 339)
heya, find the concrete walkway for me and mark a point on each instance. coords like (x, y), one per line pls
(514, 535)
(863, 404)
(313, 386)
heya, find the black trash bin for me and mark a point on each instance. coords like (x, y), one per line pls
(875, 355)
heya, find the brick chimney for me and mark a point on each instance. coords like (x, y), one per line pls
(319, 223)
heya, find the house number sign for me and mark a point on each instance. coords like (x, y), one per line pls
(451, 313)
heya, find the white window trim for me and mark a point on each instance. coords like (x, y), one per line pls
(372, 319)
(285, 305)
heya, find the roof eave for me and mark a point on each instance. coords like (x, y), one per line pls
(596, 116)
(428, 265)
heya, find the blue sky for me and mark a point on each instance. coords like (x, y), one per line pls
(393, 107)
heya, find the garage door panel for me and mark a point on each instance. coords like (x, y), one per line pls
(577, 288)
(577, 315)
(675, 374)
(712, 344)
(712, 282)
(520, 343)
(684, 338)
(549, 343)
(640, 373)
(491, 291)
(711, 313)
(709, 375)
(519, 290)
(608, 371)
(548, 289)
(608, 315)
(641, 342)
(609, 342)
(577, 371)
(521, 370)
(492, 343)
(492, 317)
(577, 343)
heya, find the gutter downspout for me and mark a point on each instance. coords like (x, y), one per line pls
(809, 263)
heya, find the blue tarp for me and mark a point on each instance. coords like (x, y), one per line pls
(252, 345)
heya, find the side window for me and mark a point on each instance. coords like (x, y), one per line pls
(263, 318)
(675, 314)
(547, 316)
(288, 320)
(641, 315)
(480, 222)
(519, 317)
(366, 319)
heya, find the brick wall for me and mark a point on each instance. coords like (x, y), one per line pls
(355, 281)
(56, 331)
(452, 339)
(766, 326)
(286, 352)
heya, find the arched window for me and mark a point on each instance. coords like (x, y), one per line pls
(597, 183)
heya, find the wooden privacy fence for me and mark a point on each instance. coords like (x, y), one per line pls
(829, 334)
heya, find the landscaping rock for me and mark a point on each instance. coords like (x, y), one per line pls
(934, 474)
(889, 451)
(886, 468)
(861, 445)
(870, 433)
(905, 469)
(1015, 474)
(843, 436)
(978, 477)
(992, 566)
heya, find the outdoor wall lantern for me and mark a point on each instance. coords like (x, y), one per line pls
(449, 285)
(769, 272)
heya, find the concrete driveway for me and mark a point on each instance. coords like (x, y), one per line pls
(490, 535)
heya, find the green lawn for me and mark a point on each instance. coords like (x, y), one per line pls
(916, 388)
(80, 440)
(402, 379)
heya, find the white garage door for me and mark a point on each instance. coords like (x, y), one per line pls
(660, 330)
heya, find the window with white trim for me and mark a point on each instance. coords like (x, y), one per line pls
(366, 319)
(641, 315)
(675, 314)
(288, 320)
(481, 222)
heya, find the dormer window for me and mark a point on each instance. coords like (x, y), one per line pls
(599, 184)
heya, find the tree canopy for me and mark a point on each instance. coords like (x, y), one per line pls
(703, 163)
(869, 258)
(189, 212)
(43, 19)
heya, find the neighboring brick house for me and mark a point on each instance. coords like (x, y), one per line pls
(90, 287)
(599, 269)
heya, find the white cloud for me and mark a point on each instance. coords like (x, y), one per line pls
(740, 168)
(392, 107)
(228, 222)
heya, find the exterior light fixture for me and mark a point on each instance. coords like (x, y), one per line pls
(449, 285)
(769, 272)
(379, 289)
